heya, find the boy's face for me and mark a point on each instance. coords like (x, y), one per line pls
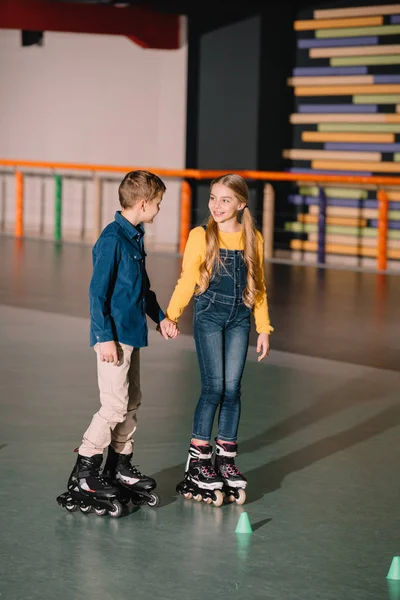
(151, 208)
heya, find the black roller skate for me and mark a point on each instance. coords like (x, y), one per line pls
(134, 486)
(201, 481)
(234, 481)
(88, 491)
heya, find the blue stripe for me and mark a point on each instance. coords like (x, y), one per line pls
(310, 71)
(328, 172)
(334, 42)
(338, 108)
(299, 200)
(395, 19)
(386, 78)
(391, 224)
(362, 147)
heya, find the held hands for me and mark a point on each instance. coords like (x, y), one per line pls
(168, 329)
(109, 352)
(263, 345)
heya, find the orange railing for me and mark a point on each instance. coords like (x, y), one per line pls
(195, 174)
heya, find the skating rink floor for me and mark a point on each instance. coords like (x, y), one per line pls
(319, 443)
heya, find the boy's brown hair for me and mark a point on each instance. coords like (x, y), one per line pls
(139, 185)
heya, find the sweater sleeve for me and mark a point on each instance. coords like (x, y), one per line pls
(260, 311)
(185, 287)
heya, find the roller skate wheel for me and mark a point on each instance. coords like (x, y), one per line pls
(86, 509)
(198, 497)
(188, 495)
(100, 512)
(218, 498)
(208, 500)
(117, 509)
(154, 500)
(241, 499)
(71, 507)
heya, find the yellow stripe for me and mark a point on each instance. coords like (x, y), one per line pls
(300, 154)
(342, 249)
(307, 218)
(347, 90)
(382, 167)
(333, 23)
(334, 80)
(348, 240)
(321, 136)
(355, 51)
(343, 118)
(357, 11)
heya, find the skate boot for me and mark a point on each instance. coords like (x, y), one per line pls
(88, 491)
(234, 481)
(201, 481)
(134, 486)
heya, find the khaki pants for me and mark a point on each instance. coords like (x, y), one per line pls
(120, 397)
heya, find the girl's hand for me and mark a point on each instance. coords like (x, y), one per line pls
(263, 345)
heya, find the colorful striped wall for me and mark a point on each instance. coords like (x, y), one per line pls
(346, 86)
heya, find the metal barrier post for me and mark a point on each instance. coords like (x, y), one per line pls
(186, 207)
(57, 207)
(321, 227)
(383, 216)
(98, 206)
(19, 204)
(3, 204)
(268, 220)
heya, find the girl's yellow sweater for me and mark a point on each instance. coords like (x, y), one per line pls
(194, 255)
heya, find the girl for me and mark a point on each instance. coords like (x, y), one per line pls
(223, 265)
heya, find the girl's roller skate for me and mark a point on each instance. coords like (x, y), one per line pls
(134, 486)
(201, 481)
(88, 491)
(234, 481)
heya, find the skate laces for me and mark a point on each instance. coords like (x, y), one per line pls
(232, 469)
(208, 470)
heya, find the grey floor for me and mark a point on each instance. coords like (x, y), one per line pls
(319, 444)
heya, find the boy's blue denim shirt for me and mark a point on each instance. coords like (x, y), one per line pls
(119, 292)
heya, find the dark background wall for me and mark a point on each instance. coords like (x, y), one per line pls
(238, 99)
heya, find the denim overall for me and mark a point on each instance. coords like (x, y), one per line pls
(221, 332)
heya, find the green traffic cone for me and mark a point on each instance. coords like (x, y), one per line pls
(394, 571)
(244, 525)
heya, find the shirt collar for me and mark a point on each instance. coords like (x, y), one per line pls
(134, 232)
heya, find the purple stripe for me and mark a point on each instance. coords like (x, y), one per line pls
(338, 108)
(391, 224)
(310, 71)
(395, 19)
(362, 147)
(334, 42)
(328, 172)
(386, 78)
(342, 202)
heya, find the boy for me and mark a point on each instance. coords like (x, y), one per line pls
(120, 296)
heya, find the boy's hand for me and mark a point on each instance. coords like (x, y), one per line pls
(108, 352)
(168, 329)
(263, 345)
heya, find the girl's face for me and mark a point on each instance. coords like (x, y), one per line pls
(223, 203)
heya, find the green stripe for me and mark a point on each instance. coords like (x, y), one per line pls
(357, 31)
(396, 156)
(335, 192)
(344, 61)
(354, 127)
(376, 99)
(57, 207)
(369, 232)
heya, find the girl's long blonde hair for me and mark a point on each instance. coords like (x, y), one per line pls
(250, 256)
